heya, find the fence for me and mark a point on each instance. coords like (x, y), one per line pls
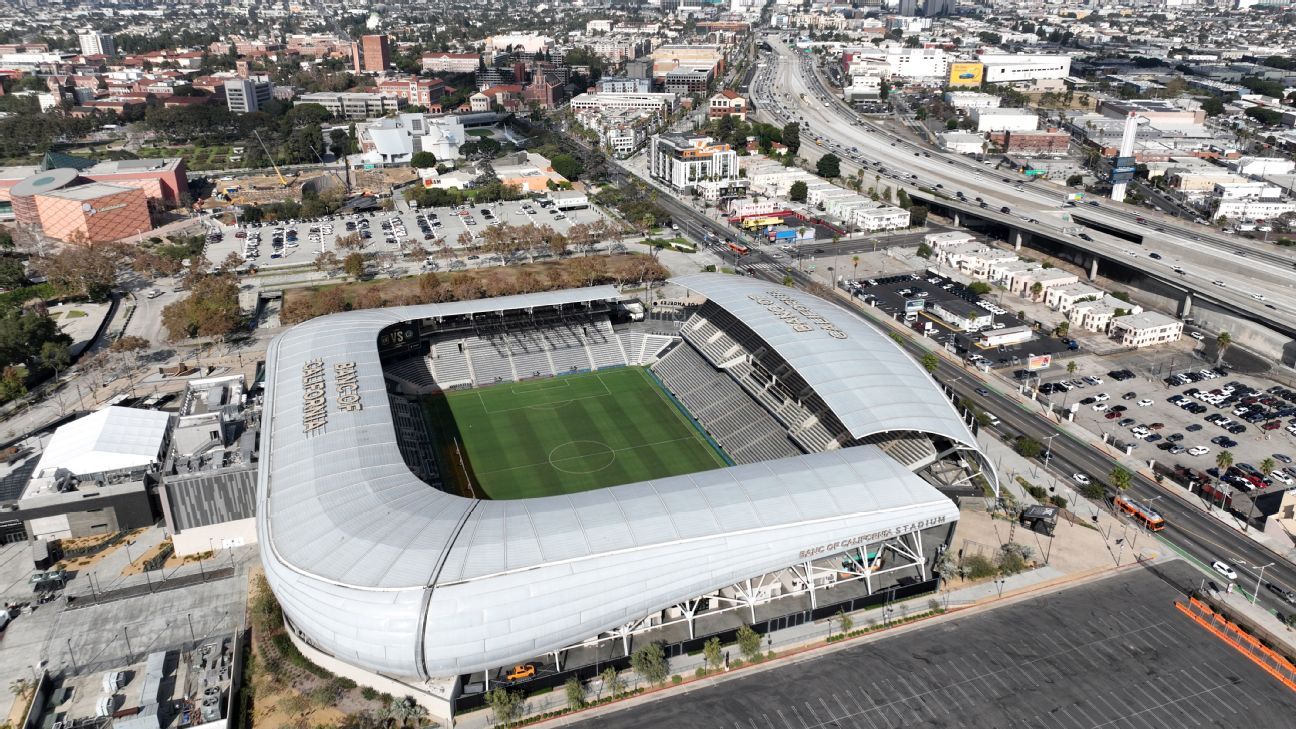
(1250, 646)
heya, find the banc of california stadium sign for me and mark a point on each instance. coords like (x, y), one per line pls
(798, 316)
(314, 399)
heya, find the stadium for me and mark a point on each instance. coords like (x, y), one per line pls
(449, 490)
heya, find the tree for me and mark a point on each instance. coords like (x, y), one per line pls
(83, 270)
(575, 691)
(13, 383)
(980, 288)
(327, 261)
(855, 266)
(749, 642)
(917, 216)
(792, 138)
(1074, 180)
(1027, 446)
(567, 166)
(504, 704)
(844, 621)
(649, 661)
(611, 681)
(1223, 341)
(828, 166)
(712, 653)
(1267, 466)
(423, 160)
(903, 199)
(12, 274)
(924, 251)
(1121, 478)
(930, 362)
(797, 193)
(57, 355)
(1062, 329)
(1224, 460)
(1072, 367)
(1036, 289)
(210, 310)
(354, 265)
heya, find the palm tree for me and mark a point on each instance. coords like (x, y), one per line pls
(1072, 367)
(1267, 466)
(1224, 459)
(855, 271)
(1222, 343)
(1035, 289)
(1121, 478)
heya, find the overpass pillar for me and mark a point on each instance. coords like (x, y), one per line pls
(1017, 237)
(958, 219)
(1093, 268)
(1185, 306)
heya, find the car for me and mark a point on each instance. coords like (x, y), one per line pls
(1218, 283)
(1099, 406)
(1154, 256)
(1080, 478)
(1129, 396)
(1282, 457)
(526, 670)
(986, 393)
(158, 292)
(1102, 397)
(1198, 451)
(1224, 569)
(1145, 402)
(1193, 428)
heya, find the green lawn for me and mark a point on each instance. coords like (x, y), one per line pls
(568, 434)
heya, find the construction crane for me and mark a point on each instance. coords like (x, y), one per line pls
(282, 180)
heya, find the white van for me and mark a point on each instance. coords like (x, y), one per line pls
(992, 419)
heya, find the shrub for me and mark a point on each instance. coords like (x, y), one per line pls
(979, 566)
(1058, 501)
(369, 693)
(677, 679)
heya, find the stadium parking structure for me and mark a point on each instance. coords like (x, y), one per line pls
(385, 553)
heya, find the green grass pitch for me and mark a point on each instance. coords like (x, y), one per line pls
(570, 433)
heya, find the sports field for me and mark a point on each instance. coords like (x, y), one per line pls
(570, 433)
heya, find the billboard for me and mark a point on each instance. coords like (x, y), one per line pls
(1039, 362)
(968, 73)
(912, 305)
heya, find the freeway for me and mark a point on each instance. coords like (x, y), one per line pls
(1190, 532)
(788, 88)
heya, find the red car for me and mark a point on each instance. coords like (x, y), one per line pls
(1272, 425)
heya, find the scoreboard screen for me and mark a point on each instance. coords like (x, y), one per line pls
(399, 340)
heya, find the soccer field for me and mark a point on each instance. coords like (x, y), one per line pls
(571, 433)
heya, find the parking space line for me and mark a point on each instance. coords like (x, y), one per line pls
(783, 719)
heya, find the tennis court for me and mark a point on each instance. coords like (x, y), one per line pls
(570, 433)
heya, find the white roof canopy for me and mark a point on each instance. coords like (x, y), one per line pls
(113, 438)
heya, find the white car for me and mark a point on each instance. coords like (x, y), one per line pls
(1196, 335)
(1144, 402)
(1099, 406)
(1080, 478)
(1224, 569)
(1102, 397)
(1198, 451)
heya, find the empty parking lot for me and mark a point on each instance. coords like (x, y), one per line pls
(1114, 654)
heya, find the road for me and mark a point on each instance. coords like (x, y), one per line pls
(1190, 530)
(788, 88)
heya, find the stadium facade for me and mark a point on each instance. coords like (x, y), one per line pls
(383, 571)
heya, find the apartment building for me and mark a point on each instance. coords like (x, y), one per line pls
(246, 95)
(354, 104)
(451, 62)
(691, 163)
(94, 43)
(371, 54)
(727, 103)
(1145, 329)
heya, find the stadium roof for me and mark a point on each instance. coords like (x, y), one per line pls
(867, 380)
(108, 440)
(389, 573)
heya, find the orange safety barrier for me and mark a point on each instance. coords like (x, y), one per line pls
(1272, 662)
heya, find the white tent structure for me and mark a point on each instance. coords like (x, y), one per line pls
(111, 439)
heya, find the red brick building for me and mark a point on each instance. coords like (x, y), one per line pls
(1051, 141)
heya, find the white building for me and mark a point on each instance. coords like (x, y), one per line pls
(1005, 120)
(94, 43)
(962, 142)
(1253, 209)
(694, 163)
(354, 104)
(1047, 278)
(1006, 336)
(658, 104)
(395, 141)
(918, 63)
(967, 100)
(963, 316)
(1096, 316)
(1015, 68)
(623, 85)
(1064, 298)
(1146, 329)
(246, 95)
(1261, 166)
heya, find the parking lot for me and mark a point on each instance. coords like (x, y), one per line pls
(1187, 419)
(891, 294)
(390, 233)
(1111, 654)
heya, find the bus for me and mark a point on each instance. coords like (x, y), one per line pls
(738, 248)
(1141, 513)
(762, 222)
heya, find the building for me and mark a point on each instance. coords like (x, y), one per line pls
(424, 92)
(968, 100)
(962, 142)
(1096, 315)
(63, 205)
(966, 73)
(422, 583)
(727, 103)
(691, 163)
(371, 54)
(623, 85)
(1160, 114)
(451, 62)
(94, 43)
(1005, 120)
(962, 315)
(660, 105)
(354, 104)
(395, 141)
(244, 95)
(1065, 298)
(94, 474)
(1145, 329)
(1032, 143)
(1021, 68)
(208, 491)
(1261, 166)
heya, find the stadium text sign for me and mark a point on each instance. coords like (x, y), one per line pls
(798, 316)
(346, 385)
(855, 541)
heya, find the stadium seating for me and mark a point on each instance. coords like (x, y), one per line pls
(642, 348)
(490, 360)
(450, 364)
(604, 345)
(747, 433)
(415, 442)
(415, 373)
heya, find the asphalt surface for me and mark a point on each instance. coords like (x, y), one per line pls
(1204, 255)
(1112, 654)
